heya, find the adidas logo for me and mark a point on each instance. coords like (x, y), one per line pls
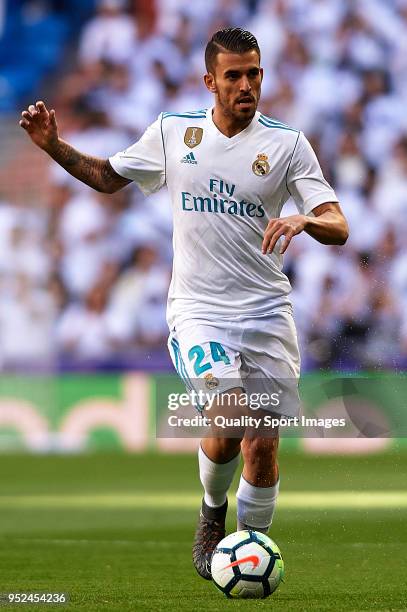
(189, 159)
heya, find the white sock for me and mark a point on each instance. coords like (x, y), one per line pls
(216, 478)
(255, 505)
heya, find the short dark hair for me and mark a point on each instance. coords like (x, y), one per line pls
(234, 40)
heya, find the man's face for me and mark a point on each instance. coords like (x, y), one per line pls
(236, 82)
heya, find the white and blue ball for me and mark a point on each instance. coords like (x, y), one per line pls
(247, 564)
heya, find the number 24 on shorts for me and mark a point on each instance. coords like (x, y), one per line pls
(196, 352)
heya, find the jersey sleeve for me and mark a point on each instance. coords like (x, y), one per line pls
(305, 180)
(144, 161)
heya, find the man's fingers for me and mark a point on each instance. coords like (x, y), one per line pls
(274, 239)
(289, 233)
(32, 114)
(270, 229)
(37, 120)
(286, 242)
(41, 106)
(37, 115)
(53, 118)
(26, 125)
(288, 227)
(271, 239)
(44, 115)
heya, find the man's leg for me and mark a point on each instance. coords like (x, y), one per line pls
(218, 459)
(259, 483)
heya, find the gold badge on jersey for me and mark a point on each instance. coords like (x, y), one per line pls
(210, 381)
(261, 166)
(193, 136)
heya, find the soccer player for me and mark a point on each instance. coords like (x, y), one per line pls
(229, 170)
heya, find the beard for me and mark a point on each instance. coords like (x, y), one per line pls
(239, 114)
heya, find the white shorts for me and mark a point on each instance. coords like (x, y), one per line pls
(258, 355)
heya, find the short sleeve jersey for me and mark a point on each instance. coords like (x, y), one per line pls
(223, 192)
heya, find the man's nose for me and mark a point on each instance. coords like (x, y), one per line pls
(245, 84)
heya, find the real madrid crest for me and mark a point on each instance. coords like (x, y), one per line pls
(210, 381)
(193, 136)
(261, 166)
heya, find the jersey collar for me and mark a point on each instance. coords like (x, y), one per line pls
(237, 137)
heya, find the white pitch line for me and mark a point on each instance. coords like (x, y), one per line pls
(73, 541)
(167, 544)
(312, 500)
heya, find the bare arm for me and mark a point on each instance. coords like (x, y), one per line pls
(95, 172)
(328, 226)
(42, 128)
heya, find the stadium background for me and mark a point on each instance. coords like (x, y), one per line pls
(84, 277)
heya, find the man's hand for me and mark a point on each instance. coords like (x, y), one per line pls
(327, 225)
(41, 126)
(286, 226)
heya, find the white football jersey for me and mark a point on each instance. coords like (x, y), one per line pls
(224, 191)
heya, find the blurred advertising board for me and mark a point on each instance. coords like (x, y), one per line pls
(137, 412)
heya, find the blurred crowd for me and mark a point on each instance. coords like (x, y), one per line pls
(86, 277)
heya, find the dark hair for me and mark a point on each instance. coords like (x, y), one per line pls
(234, 40)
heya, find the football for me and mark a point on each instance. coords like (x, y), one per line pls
(247, 564)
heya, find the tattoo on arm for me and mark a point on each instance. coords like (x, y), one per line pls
(95, 172)
(110, 176)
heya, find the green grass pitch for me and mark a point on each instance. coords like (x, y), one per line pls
(115, 532)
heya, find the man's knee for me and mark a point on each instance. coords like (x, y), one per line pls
(260, 447)
(221, 450)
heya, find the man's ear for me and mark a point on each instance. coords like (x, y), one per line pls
(209, 81)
